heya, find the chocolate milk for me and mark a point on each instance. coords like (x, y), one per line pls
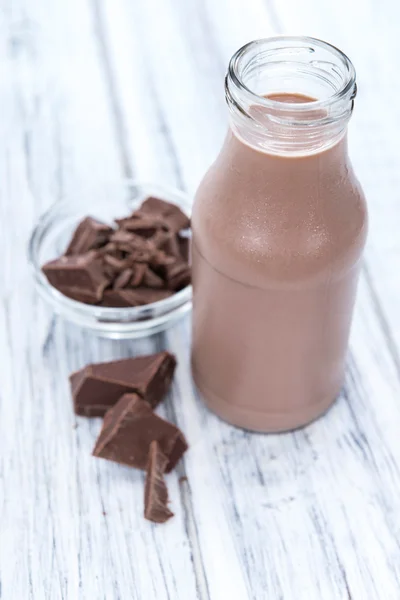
(276, 248)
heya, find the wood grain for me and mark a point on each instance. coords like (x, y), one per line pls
(94, 90)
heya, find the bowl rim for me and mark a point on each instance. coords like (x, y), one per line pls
(129, 317)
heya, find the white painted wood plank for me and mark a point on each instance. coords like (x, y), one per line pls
(176, 118)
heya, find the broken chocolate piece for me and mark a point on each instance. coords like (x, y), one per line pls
(81, 273)
(118, 264)
(155, 491)
(179, 279)
(143, 225)
(184, 247)
(89, 234)
(160, 259)
(123, 279)
(110, 248)
(170, 213)
(139, 270)
(120, 298)
(128, 430)
(145, 296)
(176, 274)
(78, 294)
(143, 255)
(170, 245)
(122, 237)
(151, 280)
(127, 298)
(97, 387)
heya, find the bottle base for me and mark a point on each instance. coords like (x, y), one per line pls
(264, 422)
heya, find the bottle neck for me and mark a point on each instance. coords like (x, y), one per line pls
(290, 96)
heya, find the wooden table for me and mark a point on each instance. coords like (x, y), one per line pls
(95, 90)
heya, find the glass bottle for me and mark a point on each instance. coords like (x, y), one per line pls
(279, 225)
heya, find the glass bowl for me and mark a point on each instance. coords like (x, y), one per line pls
(53, 232)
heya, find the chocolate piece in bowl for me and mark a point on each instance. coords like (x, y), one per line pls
(139, 270)
(176, 275)
(123, 279)
(147, 296)
(170, 213)
(117, 264)
(184, 247)
(78, 274)
(120, 298)
(156, 492)
(143, 225)
(168, 242)
(78, 294)
(97, 387)
(151, 280)
(128, 430)
(125, 298)
(89, 234)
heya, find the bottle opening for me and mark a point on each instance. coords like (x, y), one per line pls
(288, 85)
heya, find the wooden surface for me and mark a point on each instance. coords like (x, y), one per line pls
(94, 90)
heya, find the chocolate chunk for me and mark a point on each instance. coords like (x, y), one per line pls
(128, 430)
(170, 245)
(176, 275)
(79, 295)
(127, 298)
(97, 387)
(145, 296)
(126, 239)
(184, 247)
(170, 213)
(112, 249)
(122, 237)
(145, 226)
(159, 260)
(139, 270)
(77, 274)
(142, 255)
(123, 279)
(155, 491)
(89, 234)
(120, 298)
(151, 280)
(179, 279)
(117, 264)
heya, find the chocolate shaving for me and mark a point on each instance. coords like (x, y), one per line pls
(123, 279)
(156, 492)
(118, 264)
(138, 271)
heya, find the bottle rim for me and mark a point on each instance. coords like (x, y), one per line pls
(347, 89)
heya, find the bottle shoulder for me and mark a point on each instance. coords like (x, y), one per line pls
(265, 235)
